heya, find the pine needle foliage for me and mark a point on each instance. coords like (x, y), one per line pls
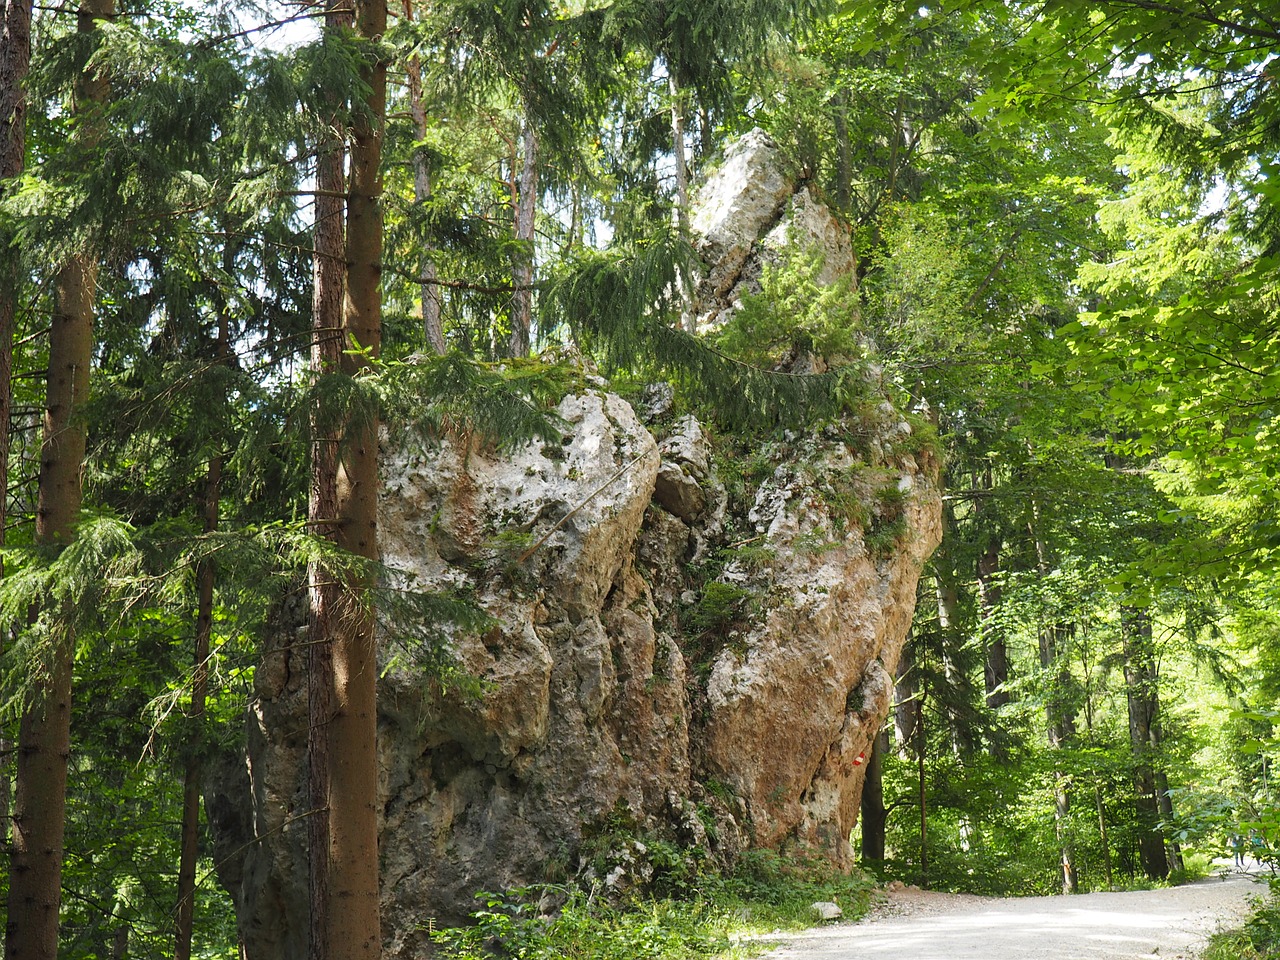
(620, 305)
(419, 627)
(709, 44)
(503, 404)
(48, 593)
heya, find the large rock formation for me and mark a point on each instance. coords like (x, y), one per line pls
(690, 639)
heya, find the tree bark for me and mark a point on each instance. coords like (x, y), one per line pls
(15, 63)
(522, 254)
(1061, 729)
(432, 328)
(1140, 679)
(873, 814)
(1164, 799)
(906, 705)
(44, 734)
(920, 743)
(948, 600)
(190, 843)
(995, 653)
(329, 271)
(1059, 715)
(352, 732)
(205, 578)
(1102, 832)
(678, 155)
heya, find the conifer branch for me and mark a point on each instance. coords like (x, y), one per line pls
(212, 42)
(462, 284)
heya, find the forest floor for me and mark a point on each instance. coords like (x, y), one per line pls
(1168, 924)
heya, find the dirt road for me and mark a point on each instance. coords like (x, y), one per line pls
(1170, 924)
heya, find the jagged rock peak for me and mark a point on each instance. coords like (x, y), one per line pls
(750, 213)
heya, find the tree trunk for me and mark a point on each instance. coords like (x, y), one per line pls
(329, 271)
(995, 670)
(906, 704)
(1140, 689)
(1059, 715)
(1164, 799)
(844, 159)
(1102, 833)
(678, 155)
(1061, 729)
(522, 254)
(190, 845)
(15, 63)
(205, 573)
(432, 328)
(920, 744)
(873, 815)
(352, 732)
(44, 734)
(948, 599)
(995, 653)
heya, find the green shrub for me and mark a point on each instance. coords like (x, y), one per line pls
(1258, 939)
(702, 915)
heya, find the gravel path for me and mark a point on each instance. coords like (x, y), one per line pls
(1171, 924)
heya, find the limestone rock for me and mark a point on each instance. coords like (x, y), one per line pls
(738, 205)
(826, 910)
(803, 692)
(809, 225)
(748, 214)
(685, 467)
(616, 696)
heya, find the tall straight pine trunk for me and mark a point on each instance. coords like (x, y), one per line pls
(1141, 680)
(352, 928)
(189, 851)
(189, 847)
(432, 327)
(15, 63)
(44, 734)
(329, 281)
(522, 254)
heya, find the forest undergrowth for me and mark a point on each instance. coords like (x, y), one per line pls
(688, 912)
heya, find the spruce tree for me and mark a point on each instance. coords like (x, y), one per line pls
(346, 340)
(15, 62)
(355, 931)
(324, 612)
(44, 734)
